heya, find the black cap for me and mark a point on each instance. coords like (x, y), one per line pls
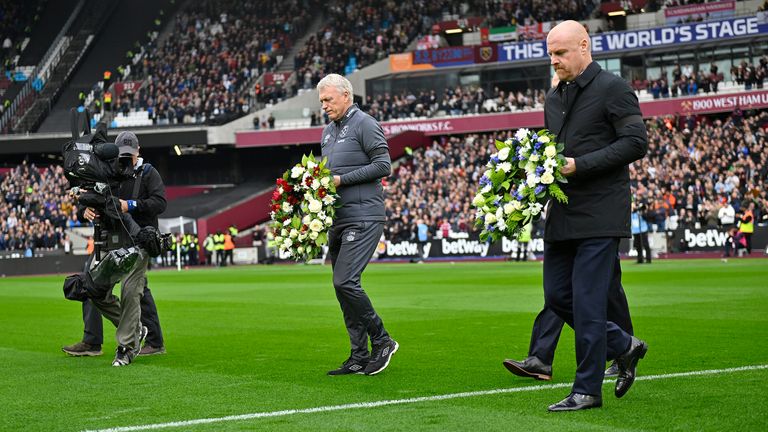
(128, 143)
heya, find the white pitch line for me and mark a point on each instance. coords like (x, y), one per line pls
(358, 405)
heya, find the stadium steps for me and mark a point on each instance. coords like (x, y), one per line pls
(54, 16)
(288, 63)
(90, 21)
(127, 23)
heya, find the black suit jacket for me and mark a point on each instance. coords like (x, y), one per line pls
(602, 128)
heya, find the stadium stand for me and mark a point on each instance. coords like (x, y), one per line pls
(34, 209)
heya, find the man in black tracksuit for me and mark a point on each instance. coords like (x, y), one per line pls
(358, 157)
(143, 197)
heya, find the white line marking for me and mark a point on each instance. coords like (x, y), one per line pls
(407, 401)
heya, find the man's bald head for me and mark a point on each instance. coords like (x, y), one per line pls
(569, 49)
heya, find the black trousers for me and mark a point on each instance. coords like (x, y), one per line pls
(640, 242)
(577, 279)
(547, 326)
(351, 246)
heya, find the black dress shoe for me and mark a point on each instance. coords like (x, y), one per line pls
(577, 401)
(612, 371)
(627, 363)
(531, 367)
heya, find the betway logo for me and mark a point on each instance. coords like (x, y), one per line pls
(710, 238)
(464, 247)
(405, 248)
(509, 246)
(429, 126)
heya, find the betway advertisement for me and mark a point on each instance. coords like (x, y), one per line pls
(448, 247)
(713, 239)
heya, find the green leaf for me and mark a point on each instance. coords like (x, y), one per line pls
(506, 185)
(321, 239)
(557, 193)
(560, 147)
(296, 222)
(484, 236)
(322, 164)
(499, 145)
(304, 160)
(516, 216)
(409, 151)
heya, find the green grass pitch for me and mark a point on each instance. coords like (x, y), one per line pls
(259, 339)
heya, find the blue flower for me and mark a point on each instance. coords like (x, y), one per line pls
(539, 189)
(496, 203)
(484, 181)
(491, 228)
(539, 171)
(518, 196)
(495, 159)
(537, 145)
(534, 137)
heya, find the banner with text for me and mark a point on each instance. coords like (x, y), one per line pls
(669, 36)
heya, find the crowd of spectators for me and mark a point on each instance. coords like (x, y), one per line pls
(196, 75)
(453, 101)
(357, 34)
(16, 20)
(527, 12)
(35, 209)
(695, 168)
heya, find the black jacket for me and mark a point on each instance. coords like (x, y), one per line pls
(357, 152)
(602, 129)
(150, 200)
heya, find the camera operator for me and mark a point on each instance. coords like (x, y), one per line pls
(143, 197)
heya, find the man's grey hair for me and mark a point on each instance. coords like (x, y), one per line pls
(336, 80)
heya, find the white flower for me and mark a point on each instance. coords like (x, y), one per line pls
(315, 184)
(278, 240)
(543, 139)
(501, 225)
(293, 234)
(313, 235)
(515, 204)
(534, 158)
(485, 209)
(532, 180)
(487, 174)
(325, 181)
(500, 214)
(550, 163)
(300, 249)
(286, 222)
(279, 190)
(509, 208)
(504, 153)
(550, 151)
(328, 221)
(535, 208)
(506, 166)
(283, 232)
(302, 237)
(287, 243)
(297, 171)
(287, 207)
(316, 225)
(315, 206)
(485, 189)
(311, 165)
(530, 167)
(490, 218)
(328, 199)
(479, 200)
(305, 220)
(547, 178)
(521, 134)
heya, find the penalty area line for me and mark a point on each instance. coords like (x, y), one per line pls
(351, 406)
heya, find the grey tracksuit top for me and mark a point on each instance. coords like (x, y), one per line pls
(357, 152)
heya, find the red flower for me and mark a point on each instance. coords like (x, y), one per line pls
(288, 188)
(276, 195)
(321, 193)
